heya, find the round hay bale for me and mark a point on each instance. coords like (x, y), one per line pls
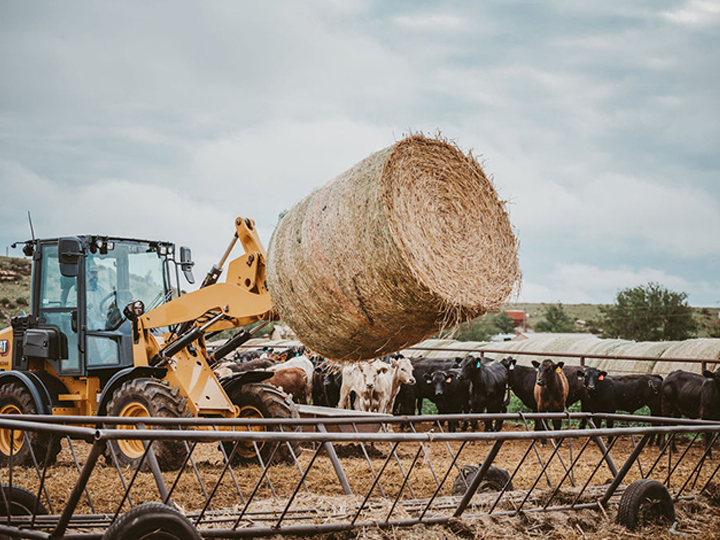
(410, 240)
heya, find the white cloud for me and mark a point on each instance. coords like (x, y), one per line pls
(695, 13)
(582, 283)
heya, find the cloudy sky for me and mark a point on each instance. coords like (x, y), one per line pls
(599, 121)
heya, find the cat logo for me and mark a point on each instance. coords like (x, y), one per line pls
(4, 348)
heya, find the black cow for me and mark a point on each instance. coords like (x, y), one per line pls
(409, 400)
(693, 396)
(487, 392)
(521, 380)
(450, 393)
(628, 393)
(551, 389)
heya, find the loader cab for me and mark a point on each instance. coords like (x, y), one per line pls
(80, 288)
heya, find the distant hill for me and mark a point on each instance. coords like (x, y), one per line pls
(14, 288)
(15, 297)
(586, 314)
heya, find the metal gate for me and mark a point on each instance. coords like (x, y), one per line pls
(324, 474)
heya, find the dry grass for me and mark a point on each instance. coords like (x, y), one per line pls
(409, 240)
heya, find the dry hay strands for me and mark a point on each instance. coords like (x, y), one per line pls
(408, 241)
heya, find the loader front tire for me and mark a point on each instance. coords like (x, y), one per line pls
(257, 401)
(16, 399)
(143, 398)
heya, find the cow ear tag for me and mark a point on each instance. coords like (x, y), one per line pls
(558, 369)
(478, 364)
(601, 377)
(449, 379)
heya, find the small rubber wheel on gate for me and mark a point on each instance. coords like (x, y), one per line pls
(645, 501)
(495, 479)
(152, 521)
(21, 502)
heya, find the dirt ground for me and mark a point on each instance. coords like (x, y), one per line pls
(322, 492)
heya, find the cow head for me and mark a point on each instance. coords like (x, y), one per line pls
(546, 370)
(440, 380)
(509, 363)
(714, 377)
(370, 372)
(404, 369)
(593, 377)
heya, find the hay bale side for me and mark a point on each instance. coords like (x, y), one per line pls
(408, 241)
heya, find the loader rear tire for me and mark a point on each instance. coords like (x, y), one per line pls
(16, 399)
(261, 400)
(143, 398)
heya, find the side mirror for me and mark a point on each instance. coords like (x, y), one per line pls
(70, 252)
(186, 264)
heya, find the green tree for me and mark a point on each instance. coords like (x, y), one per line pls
(556, 320)
(482, 328)
(649, 313)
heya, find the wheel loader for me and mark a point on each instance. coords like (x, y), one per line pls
(108, 334)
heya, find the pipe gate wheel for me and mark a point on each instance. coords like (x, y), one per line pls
(22, 445)
(146, 398)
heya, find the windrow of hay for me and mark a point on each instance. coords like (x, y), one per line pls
(408, 241)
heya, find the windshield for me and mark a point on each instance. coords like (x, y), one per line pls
(128, 272)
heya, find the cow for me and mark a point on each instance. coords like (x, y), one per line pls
(551, 389)
(292, 381)
(692, 395)
(302, 362)
(360, 378)
(226, 368)
(488, 381)
(607, 394)
(450, 392)
(399, 372)
(521, 380)
(328, 383)
(409, 400)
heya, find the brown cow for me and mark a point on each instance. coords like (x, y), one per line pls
(292, 381)
(551, 389)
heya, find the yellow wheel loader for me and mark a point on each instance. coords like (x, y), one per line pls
(109, 335)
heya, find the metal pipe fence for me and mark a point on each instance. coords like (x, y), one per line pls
(316, 475)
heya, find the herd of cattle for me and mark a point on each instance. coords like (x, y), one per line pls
(398, 385)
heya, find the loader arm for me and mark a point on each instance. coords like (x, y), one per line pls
(242, 299)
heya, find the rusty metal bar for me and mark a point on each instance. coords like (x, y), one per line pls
(95, 452)
(462, 505)
(620, 476)
(297, 487)
(404, 483)
(330, 450)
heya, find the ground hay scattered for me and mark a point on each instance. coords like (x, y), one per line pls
(408, 241)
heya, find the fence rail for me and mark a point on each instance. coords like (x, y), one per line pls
(412, 470)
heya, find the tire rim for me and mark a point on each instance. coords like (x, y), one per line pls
(11, 440)
(246, 450)
(132, 448)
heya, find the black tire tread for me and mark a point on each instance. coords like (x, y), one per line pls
(495, 479)
(272, 403)
(148, 517)
(16, 393)
(635, 495)
(164, 401)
